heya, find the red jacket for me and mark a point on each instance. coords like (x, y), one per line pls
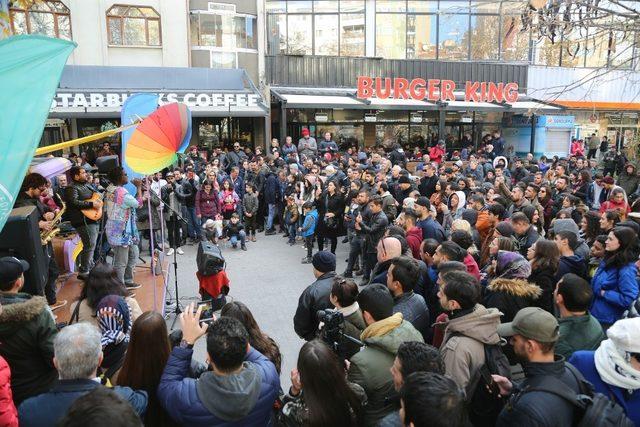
(436, 153)
(414, 239)
(472, 266)
(8, 412)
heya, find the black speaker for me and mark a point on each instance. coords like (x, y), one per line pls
(209, 259)
(106, 164)
(20, 238)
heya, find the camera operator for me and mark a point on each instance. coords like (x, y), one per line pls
(344, 293)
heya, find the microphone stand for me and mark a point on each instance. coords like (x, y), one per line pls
(177, 310)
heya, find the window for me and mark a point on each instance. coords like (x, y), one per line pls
(326, 34)
(133, 26)
(547, 53)
(299, 34)
(514, 43)
(352, 32)
(224, 60)
(485, 36)
(391, 35)
(422, 33)
(229, 31)
(49, 18)
(453, 44)
(596, 47)
(621, 53)
(276, 34)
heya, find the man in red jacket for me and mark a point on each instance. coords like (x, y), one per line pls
(413, 234)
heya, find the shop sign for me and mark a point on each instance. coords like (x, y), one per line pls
(322, 117)
(466, 119)
(416, 118)
(556, 121)
(593, 118)
(370, 117)
(435, 90)
(116, 100)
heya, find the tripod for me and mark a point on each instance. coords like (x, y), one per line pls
(177, 310)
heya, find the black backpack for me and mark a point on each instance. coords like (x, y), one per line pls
(484, 401)
(592, 409)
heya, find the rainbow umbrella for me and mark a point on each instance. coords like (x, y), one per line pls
(158, 139)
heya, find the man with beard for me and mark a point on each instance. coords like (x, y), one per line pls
(428, 182)
(356, 246)
(234, 158)
(533, 335)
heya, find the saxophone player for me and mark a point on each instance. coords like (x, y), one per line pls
(33, 186)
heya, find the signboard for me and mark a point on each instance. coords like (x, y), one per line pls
(416, 118)
(562, 122)
(113, 100)
(370, 117)
(322, 117)
(434, 90)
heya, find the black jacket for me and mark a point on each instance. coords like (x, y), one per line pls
(427, 185)
(510, 296)
(314, 298)
(188, 191)
(330, 204)
(414, 310)
(374, 230)
(536, 408)
(545, 279)
(75, 196)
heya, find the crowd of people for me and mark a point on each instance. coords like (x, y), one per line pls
(492, 290)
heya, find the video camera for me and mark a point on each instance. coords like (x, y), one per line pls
(332, 331)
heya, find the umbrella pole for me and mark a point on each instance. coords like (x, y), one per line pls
(84, 140)
(151, 242)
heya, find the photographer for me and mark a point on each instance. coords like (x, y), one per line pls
(344, 293)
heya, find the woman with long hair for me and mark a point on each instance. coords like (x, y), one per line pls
(145, 361)
(590, 227)
(320, 394)
(228, 200)
(544, 257)
(207, 203)
(331, 215)
(535, 219)
(258, 339)
(546, 201)
(581, 189)
(614, 285)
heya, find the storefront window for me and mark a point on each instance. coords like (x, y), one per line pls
(341, 116)
(387, 135)
(420, 135)
(299, 34)
(392, 116)
(515, 43)
(422, 33)
(326, 34)
(344, 135)
(485, 36)
(391, 35)
(352, 33)
(453, 37)
(49, 18)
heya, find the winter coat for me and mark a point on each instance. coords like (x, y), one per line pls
(538, 408)
(8, 412)
(578, 333)
(207, 204)
(462, 347)
(629, 400)
(228, 200)
(397, 157)
(330, 204)
(250, 203)
(571, 264)
(545, 280)
(472, 266)
(315, 297)
(414, 310)
(436, 153)
(374, 230)
(370, 366)
(510, 296)
(353, 326)
(49, 408)
(621, 289)
(75, 196)
(414, 240)
(271, 189)
(27, 330)
(629, 182)
(243, 399)
(431, 229)
(232, 229)
(143, 212)
(525, 241)
(389, 206)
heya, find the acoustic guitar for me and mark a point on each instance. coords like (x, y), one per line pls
(93, 213)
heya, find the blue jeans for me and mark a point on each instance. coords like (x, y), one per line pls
(194, 222)
(234, 239)
(292, 233)
(124, 262)
(89, 235)
(271, 215)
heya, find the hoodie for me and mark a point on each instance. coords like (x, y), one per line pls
(462, 202)
(571, 264)
(465, 335)
(230, 397)
(414, 240)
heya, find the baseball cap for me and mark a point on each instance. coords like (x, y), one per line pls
(11, 268)
(533, 323)
(424, 202)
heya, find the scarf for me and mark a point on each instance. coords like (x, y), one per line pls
(349, 310)
(613, 367)
(382, 327)
(114, 318)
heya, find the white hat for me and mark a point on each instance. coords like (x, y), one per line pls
(208, 224)
(625, 334)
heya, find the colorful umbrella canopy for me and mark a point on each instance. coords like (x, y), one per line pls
(156, 142)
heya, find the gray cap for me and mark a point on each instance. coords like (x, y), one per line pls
(533, 323)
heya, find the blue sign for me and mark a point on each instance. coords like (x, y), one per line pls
(561, 122)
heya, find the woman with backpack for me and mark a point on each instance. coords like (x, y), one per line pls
(614, 284)
(614, 368)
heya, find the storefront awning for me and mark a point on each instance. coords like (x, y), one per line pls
(95, 91)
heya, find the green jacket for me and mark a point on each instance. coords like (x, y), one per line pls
(578, 333)
(370, 368)
(27, 330)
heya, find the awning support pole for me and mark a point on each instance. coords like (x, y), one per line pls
(283, 122)
(533, 134)
(441, 120)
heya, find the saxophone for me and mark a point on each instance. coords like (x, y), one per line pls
(46, 236)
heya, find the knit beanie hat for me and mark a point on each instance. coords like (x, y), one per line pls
(565, 224)
(324, 261)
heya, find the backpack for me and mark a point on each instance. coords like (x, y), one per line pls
(484, 402)
(592, 408)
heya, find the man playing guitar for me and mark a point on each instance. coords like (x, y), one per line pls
(33, 186)
(77, 197)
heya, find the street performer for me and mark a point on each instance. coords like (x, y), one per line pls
(77, 197)
(33, 186)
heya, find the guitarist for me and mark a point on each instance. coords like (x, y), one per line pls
(33, 186)
(76, 196)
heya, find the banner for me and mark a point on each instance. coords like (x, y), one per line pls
(5, 23)
(30, 70)
(136, 107)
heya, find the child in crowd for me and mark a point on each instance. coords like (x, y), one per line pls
(234, 231)
(212, 230)
(291, 219)
(250, 209)
(308, 229)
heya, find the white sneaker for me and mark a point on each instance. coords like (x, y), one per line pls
(170, 252)
(180, 251)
